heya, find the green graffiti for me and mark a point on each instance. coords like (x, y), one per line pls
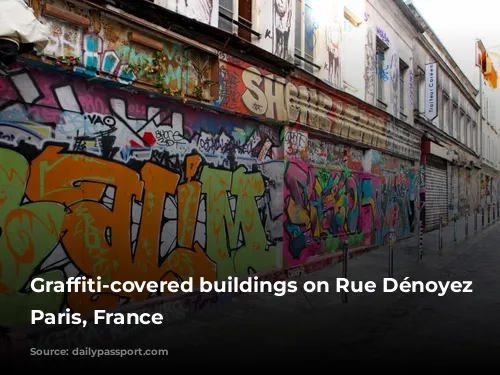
(28, 232)
(324, 178)
(176, 63)
(236, 244)
(332, 243)
(356, 239)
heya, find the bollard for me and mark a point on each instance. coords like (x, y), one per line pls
(494, 213)
(475, 219)
(482, 216)
(391, 252)
(467, 222)
(420, 242)
(489, 214)
(455, 228)
(344, 269)
(441, 233)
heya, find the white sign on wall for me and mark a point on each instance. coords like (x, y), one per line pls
(431, 92)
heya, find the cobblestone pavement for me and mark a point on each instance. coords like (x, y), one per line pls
(370, 328)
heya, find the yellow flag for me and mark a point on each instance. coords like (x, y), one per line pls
(490, 73)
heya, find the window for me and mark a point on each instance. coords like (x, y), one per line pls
(467, 132)
(226, 15)
(305, 35)
(382, 68)
(474, 136)
(245, 18)
(227, 20)
(298, 31)
(455, 121)
(488, 148)
(446, 113)
(403, 68)
(461, 128)
(421, 91)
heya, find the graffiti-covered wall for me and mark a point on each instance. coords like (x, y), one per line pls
(335, 193)
(101, 46)
(104, 173)
(252, 91)
(105, 183)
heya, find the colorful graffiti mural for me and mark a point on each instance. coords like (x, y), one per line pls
(99, 182)
(115, 51)
(324, 207)
(94, 183)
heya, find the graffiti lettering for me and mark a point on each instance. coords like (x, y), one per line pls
(169, 137)
(292, 103)
(124, 200)
(382, 35)
(410, 87)
(323, 208)
(295, 142)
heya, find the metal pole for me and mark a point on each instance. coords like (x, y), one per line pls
(475, 219)
(391, 253)
(482, 216)
(455, 228)
(441, 233)
(344, 269)
(466, 222)
(494, 218)
(489, 214)
(420, 242)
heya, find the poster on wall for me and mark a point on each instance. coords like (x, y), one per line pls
(431, 82)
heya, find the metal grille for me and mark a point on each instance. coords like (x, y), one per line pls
(436, 195)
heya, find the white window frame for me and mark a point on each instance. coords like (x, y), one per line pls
(381, 48)
(233, 12)
(300, 36)
(421, 91)
(455, 120)
(474, 137)
(446, 112)
(403, 72)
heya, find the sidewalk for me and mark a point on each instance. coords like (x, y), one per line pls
(279, 322)
(187, 314)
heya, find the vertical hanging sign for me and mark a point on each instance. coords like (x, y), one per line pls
(431, 85)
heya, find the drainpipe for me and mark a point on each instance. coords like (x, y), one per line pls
(478, 41)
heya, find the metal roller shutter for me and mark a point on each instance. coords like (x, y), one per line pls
(436, 193)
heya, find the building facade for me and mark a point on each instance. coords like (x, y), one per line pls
(221, 138)
(490, 162)
(447, 111)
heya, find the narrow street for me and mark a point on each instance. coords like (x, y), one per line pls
(378, 327)
(144, 142)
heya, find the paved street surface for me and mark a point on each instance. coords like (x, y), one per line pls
(370, 328)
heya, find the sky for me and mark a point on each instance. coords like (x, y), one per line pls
(458, 23)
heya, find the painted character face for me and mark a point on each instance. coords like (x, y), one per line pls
(281, 7)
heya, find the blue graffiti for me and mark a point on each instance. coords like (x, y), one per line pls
(382, 72)
(310, 30)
